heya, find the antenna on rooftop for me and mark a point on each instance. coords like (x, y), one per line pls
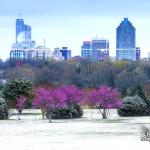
(44, 42)
(19, 15)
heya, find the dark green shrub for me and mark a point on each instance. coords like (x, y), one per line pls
(74, 111)
(3, 109)
(15, 89)
(139, 92)
(134, 106)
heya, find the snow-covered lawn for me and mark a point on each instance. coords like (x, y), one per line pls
(87, 133)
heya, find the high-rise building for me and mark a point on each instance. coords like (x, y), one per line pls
(19, 28)
(66, 53)
(126, 41)
(101, 47)
(97, 49)
(23, 40)
(86, 50)
(27, 30)
(23, 36)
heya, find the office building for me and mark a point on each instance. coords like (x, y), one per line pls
(86, 50)
(23, 35)
(101, 48)
(126, 41)
(97, 49)
(66, 53)
(38, 53)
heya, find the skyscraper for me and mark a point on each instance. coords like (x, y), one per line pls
(27, 30)
(97, 49)
(125, 41)
(23, 35)
(101, 46)
(23, 40)
(19, 27)
(86, 50)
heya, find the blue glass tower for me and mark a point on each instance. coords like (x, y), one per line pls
(27, 30)
(125, 41)
(86, 50)
(23, 34)
(97, 49)
(23, 40)
(66, 53)
(19, 27)
(101, 48)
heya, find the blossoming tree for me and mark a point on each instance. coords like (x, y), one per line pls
(104, 98)
(20, 105)
(48, 99)
(73, 96)
(72, 93)
(41, 100)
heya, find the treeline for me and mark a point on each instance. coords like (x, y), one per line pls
(123, 75)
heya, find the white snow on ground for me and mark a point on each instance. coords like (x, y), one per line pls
(87, 133)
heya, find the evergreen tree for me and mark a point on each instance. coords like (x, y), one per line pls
(139, 92)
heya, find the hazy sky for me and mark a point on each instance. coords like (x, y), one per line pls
(69, 22)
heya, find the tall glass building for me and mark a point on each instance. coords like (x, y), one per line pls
(102, 47)
(19, 28)
(125, 41)
(86, 50)
(23, 40)
(97, 49)
(23, 34)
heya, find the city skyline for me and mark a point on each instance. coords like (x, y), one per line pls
(70, 23)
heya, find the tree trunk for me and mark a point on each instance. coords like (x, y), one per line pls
(20, 111)
(50, 117)
(19, 116)
(70, 107)
(104, 114)
(43, 113)
(70, 115)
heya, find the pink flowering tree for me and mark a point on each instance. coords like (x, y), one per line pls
(105, 98)
(48, 99)
(20, 105)
(58, 100)
(73, 96)
(41, 100)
